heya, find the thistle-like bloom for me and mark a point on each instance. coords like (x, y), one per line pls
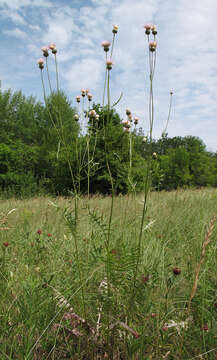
(147, 28)
(154, 30)
(152, 46)
(144, 139)
(126, 130)
(126, 123)
(5, 244)
(89, 96)
(154, 155)
(115, 29)
(105, 44)
(109, 64)
(45, 50)
(128, 112)
(41, 63)
(130, 117)
(92, 113)
(136, 120)
(83, 92)
(97, 116)
(76, 117)
(53, 48)
(78, 99)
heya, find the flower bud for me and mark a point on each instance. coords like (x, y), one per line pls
(176, 271)
(128, 112)
(83, 92)
(136, 120)
(144, 139)
(115, 29)
(109, 64)
(41, 63)
(126, 124)
(105, 44)
(171, 92)
(92, 113)
(154, 30)
(152, 46)
(89, 96)
(45, 50)
(78, 99)
(52, 46)
(76, 117)
(147, 28)
(154, 155)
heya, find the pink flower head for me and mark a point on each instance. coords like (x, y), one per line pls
(115, 29)
(154, 30)
(128, 112)
(49, 234)
(89, 96)
(147, 28)
(126, 130)
(78, 99)
(87, 91)
(83, 92)
(53, 48)
(105, 44)
(92, 113)
(45, 50)
(109, 64)
(126, 123)
(5, 244)
(152, 46)
(39, 231)
(40, 63)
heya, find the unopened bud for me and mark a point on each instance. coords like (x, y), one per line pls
(128, 112)
(78, 99)
(76, 117)
(152, 46)
(115, 29)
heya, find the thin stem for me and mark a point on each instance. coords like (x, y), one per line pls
(57, 76)
(48, 75)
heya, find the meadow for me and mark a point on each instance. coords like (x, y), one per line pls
(67, 295)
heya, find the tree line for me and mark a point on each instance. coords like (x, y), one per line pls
(44, 151)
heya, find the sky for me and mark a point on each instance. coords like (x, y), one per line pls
(186, 57)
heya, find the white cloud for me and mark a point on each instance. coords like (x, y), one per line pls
(16, 33)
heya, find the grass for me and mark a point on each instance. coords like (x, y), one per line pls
(41, 312)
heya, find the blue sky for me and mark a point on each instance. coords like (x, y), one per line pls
(186, 55)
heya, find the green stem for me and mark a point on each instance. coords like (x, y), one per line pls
(48, 75)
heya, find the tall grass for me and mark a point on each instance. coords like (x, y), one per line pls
(41, 303)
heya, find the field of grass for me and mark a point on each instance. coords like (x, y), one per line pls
(66, 295)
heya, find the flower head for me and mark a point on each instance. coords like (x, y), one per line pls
(152, 46)
(83, 92)
(126, 130)
(41, 63)
(105, 44)
(53, 48)
(115, 29)
(45, 50)
(49, 234)
(78, 99)
(176, 271)
(76, 117)
(147, 28)
(154, 30)
(92, 113)
(109, 64)
(128, 112)
(154, 155)
(89, 96)
(171, 92)
(136, 120)
(5, 244)
(39, 231)
(126, 123)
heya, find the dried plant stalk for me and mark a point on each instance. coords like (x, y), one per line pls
(206, 242)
